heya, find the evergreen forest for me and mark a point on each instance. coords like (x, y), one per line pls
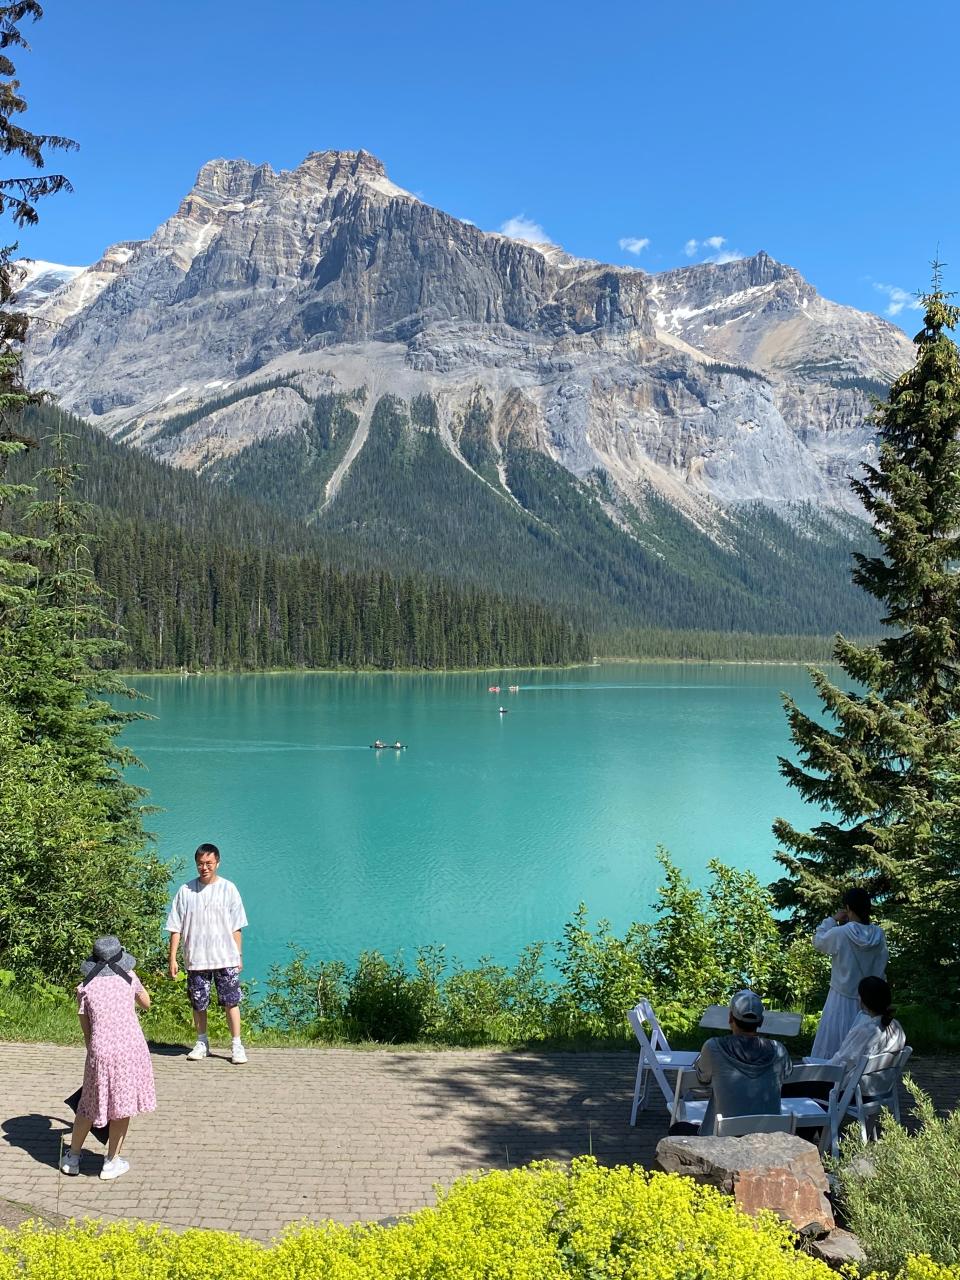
(198, 579)
(421, 563)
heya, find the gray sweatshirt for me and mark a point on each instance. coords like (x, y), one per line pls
(745, 1074)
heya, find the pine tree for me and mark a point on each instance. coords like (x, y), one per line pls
(71, 836)
(18, 198)
(886, 766)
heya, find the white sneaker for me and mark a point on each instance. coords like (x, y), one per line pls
(114, 1168)
(239, 1056)
(199, 1051)
(70, 1163)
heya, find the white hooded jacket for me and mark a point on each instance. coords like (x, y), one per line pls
(857, 950)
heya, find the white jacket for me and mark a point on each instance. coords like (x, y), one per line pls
(857, 950)
(865, 1038)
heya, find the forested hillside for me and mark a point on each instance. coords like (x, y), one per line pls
(200, 579)
(422, 563)
(408, 503)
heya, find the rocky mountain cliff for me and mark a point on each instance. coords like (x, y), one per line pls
(724, 383)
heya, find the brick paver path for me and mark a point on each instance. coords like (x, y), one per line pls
(325, 1133)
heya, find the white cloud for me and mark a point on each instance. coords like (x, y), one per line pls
(898, 299)
(634, 244)
(521, 227)
(726, 255)
(716, 243)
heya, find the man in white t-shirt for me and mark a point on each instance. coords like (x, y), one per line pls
(207, 916)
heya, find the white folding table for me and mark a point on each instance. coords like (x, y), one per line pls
(717, 1018)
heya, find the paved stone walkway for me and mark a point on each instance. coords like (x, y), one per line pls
(325, 1133)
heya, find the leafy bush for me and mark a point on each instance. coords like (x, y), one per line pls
(702, 946)
(902, 1194)
(383, 1002)
(304, 996)
(68, 870)
(544, 1222)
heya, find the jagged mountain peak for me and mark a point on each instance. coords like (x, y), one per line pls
(224, 181)
(711, 382)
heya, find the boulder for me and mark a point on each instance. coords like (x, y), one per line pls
(775, 1171)
(838, 1250)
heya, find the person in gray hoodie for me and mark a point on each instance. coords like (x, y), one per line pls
(744, 1070)
(857, 949)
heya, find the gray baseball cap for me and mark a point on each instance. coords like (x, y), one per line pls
(747, 1008)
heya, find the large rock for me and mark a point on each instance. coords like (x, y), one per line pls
(718, 383)
(840, 1249)
(775, 1171)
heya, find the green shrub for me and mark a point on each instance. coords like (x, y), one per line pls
(901, 1195)
(544, 1222)
(383, 1002)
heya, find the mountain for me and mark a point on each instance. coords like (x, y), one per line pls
(430, 394)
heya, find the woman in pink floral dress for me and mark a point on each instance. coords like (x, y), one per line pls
(118, 1077)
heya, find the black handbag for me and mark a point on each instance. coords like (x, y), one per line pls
(99, 1131)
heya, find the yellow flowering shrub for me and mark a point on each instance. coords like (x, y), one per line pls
(920, 1267)
(544, 1222)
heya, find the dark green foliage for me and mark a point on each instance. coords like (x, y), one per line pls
(423, 413)
(408, 503)
(71, 839)
(195, 577)
(190, 417)
(292, 472)
(869, 386)
(711, 646)
(18, 198)
(476, 439)
(702, 945)
(886, 765)
(738, 370)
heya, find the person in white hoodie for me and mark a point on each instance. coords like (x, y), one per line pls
(858, 949)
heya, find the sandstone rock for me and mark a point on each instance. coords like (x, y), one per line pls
(775, 1171)
(838, 1249)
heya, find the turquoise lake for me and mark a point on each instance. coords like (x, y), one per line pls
(488, 830)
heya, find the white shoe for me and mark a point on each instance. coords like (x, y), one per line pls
(239, 1056)
(70, 1163)
(114, 1168)
(199, 1051)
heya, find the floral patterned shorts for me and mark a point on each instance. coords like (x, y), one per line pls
(229, 991)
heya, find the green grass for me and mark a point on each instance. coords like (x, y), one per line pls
(48, 1015)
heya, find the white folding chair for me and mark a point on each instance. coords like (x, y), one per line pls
(811, 1112)
(866, 1109)
(685, 1109)
(656, 1058)
(740, 1126)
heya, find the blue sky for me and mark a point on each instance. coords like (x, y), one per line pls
(654, 134)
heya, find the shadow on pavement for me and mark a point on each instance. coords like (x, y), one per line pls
(37, 1134)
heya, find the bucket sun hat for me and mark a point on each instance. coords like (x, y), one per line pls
(108, 957)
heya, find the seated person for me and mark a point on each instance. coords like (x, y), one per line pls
(875, 1030)
(744, 1070)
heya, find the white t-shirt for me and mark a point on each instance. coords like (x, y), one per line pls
(206, 917)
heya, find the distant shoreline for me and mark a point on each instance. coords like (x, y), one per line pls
(486, 671)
